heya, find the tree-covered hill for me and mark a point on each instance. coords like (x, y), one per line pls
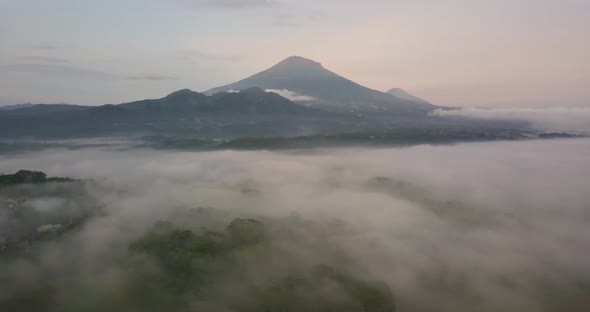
(242, 267)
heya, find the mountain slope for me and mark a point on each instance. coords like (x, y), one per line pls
(255, 100)
(402, 94)
(330, 91)
(181, 100)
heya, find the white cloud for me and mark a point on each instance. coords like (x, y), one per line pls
(576, 119)
(293, 96)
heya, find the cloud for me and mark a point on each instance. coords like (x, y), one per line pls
(232, 4)
(208, 56)
(45, 59)
(471, 227)
(56, 71)
(296, 18)
(293, 96)
(45, 47)
(575, 119)
(151, 77)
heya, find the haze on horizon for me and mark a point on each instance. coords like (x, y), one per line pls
(491, 53)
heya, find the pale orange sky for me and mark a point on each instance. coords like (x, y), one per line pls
(492, 53)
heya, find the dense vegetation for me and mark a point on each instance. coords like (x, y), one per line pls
(238, 268)
(28, 176)
(219, 269)
(398, 137)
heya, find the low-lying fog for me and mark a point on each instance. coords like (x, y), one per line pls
(501, 226)
(561, 119)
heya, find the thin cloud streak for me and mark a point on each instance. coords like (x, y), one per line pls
(56, 70)
(231, 4)
(45, 59)
(152, 77)
(45, 47)
(196, 55)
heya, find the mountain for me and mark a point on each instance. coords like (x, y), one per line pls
(252, 101)
(252, 111)
(319, 87)
(16, 106)
(402, 94)
(47, 108)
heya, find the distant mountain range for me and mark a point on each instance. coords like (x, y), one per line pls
(16, 106)
(248, 112)
(295, 98)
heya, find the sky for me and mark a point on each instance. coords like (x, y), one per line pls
(484, 53)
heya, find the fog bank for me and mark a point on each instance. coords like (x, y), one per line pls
(574, 119)
(471, 227)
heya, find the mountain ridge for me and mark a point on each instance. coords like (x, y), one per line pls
(403, 94)
(250, 112)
